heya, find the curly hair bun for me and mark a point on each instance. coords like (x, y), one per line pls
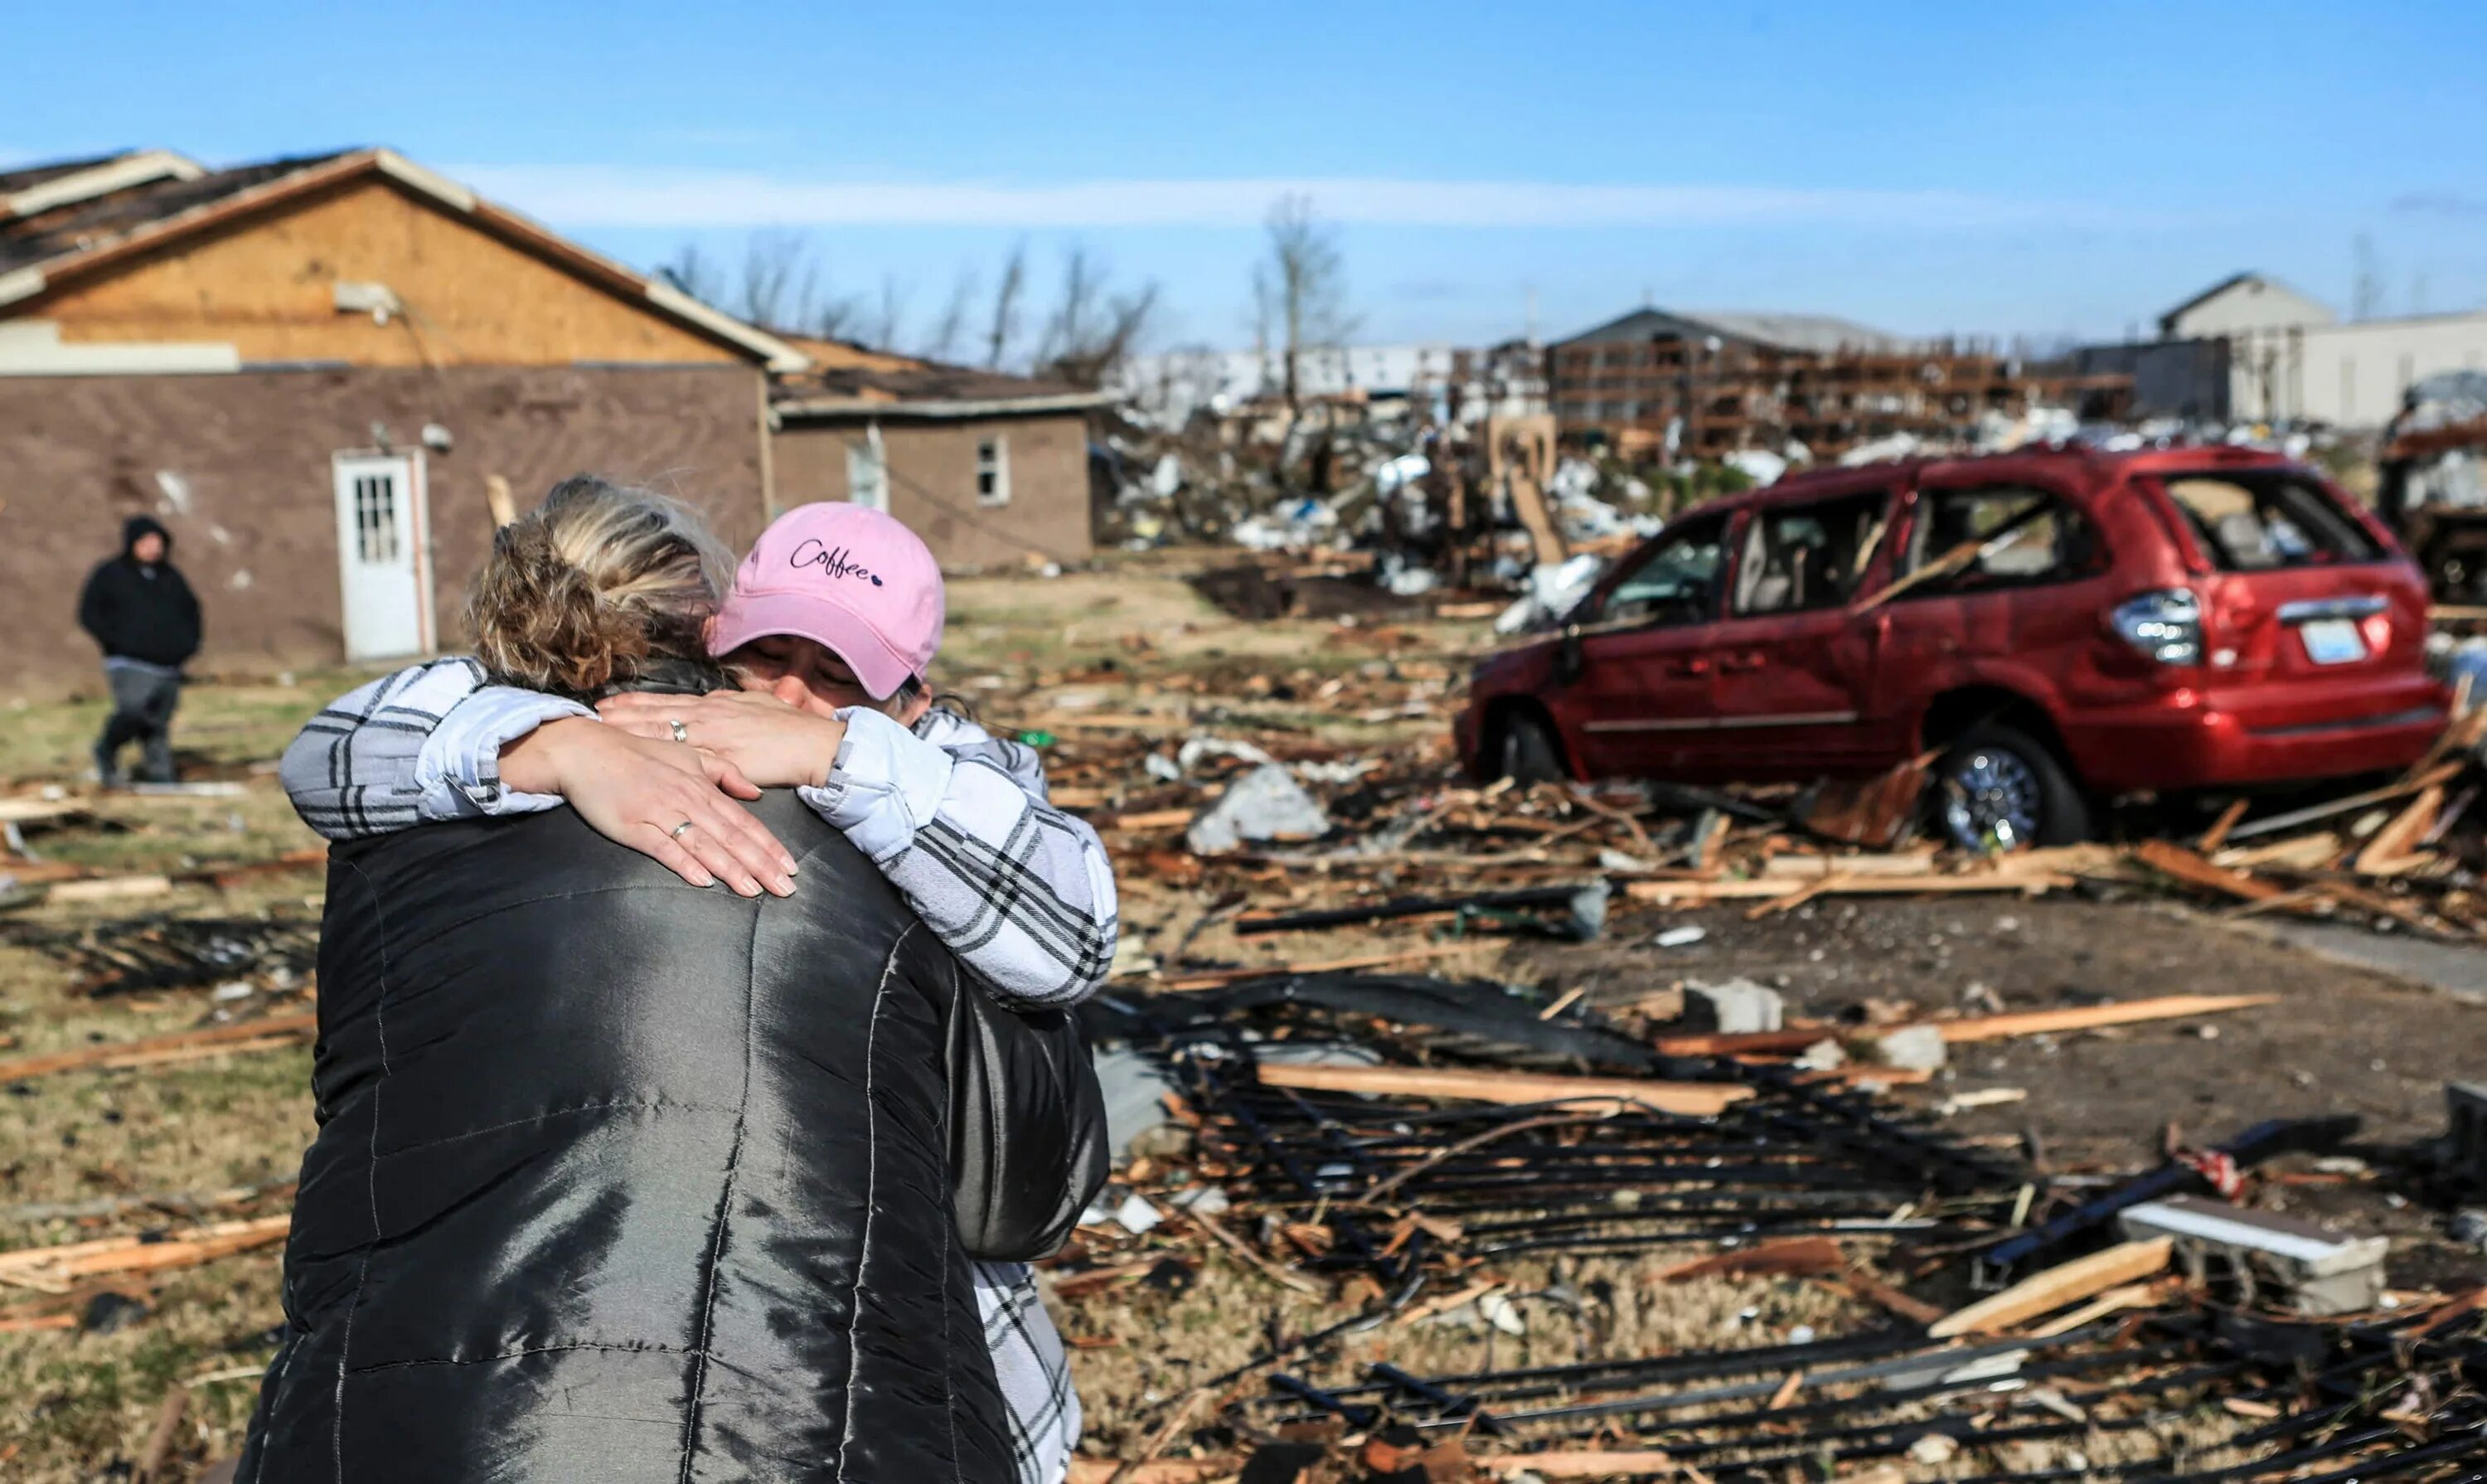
(581, 592)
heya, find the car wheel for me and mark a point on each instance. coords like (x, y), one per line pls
(2000, 789)
(1527, 752)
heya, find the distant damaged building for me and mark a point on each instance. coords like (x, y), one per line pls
(1658, 384)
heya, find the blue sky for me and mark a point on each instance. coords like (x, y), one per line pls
(1981, 169)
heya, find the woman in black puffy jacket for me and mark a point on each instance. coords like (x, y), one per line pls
(621, 1179)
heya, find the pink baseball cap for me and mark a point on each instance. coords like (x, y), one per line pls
(853, 579)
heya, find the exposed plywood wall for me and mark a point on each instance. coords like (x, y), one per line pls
(266, 287)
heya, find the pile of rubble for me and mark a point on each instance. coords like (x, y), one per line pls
(1425, 1151)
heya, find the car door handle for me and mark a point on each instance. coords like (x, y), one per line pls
(1736, 664)
(1688, 667)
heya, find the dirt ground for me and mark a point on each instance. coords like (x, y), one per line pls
(1139, 647)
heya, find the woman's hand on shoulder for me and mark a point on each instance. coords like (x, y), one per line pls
(642, 793)
(770, 743)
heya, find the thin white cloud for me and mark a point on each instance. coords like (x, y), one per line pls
(614, 197)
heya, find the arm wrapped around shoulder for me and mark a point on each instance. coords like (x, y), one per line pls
(1028, 1148)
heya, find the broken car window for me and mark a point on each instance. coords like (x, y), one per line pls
(1677, 582)
(1808, 557)
(2263, 522)
(1999, 537)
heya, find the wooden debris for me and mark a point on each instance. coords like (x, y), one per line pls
(2069, 1283)
(1873, 812)
(1798, 1036)
(1251, 1259)
(1694, 1100)
(1588, 1464)
(54, 1266)
(1695, 893)
(1163, 1471)
(2115, 1301)
(267, 1033)
(2177, 861)
(1862, 1283)
(1788, 1255)
(1209, 979)
(2130, 1012)
(2426, 777)
(155, 1459)
(109, 888)
(2218, 834)
(2394, 849)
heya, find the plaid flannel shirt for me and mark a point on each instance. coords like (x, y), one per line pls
(956, 818)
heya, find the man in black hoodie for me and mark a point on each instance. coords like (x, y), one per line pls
(139, 609)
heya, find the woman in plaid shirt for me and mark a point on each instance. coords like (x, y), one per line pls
(830, 622)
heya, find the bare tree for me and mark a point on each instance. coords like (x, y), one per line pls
(695, 274)
(1006, 297)
(941, 342)
(1265, 313)
(2366, 294)
(781, 279)
(837, 317)
(1092, 329)
(888, 315)
(1304, 285)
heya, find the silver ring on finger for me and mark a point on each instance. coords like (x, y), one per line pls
(680, 829)
(681, 733)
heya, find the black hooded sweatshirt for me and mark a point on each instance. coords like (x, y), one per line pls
(137, 611)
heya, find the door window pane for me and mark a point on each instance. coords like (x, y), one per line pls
(2000, 536)
(375, 518)
(1811, 556)
(1676, 583)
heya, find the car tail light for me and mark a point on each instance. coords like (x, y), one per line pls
(2166, 624)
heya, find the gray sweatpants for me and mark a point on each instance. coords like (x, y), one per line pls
(142, 712)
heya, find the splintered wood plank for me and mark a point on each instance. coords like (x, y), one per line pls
(2131, 1012)
(181, 1045)
(2191, 868)
(1696, 1099)
(2044, 1293)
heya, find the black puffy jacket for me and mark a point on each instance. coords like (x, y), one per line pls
(622, 1179)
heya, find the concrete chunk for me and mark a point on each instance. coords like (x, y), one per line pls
(1738, 1007)
(2316, 1272)
(1909, 1048)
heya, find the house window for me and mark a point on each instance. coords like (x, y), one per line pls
(868, 473)
(992, 471)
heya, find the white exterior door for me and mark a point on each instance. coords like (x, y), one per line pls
(868, 470)
(379, 555)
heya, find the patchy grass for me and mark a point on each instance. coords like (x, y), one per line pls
(71, 1403)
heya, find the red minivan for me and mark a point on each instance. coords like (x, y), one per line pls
(2065, 625)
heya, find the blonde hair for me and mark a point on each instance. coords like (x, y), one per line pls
(579, 595)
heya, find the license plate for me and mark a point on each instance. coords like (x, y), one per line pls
(2333, 641)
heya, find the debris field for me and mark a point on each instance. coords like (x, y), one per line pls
(1466, 1132)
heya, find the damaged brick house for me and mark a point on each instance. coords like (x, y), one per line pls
(991, 469)
(323, 375)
